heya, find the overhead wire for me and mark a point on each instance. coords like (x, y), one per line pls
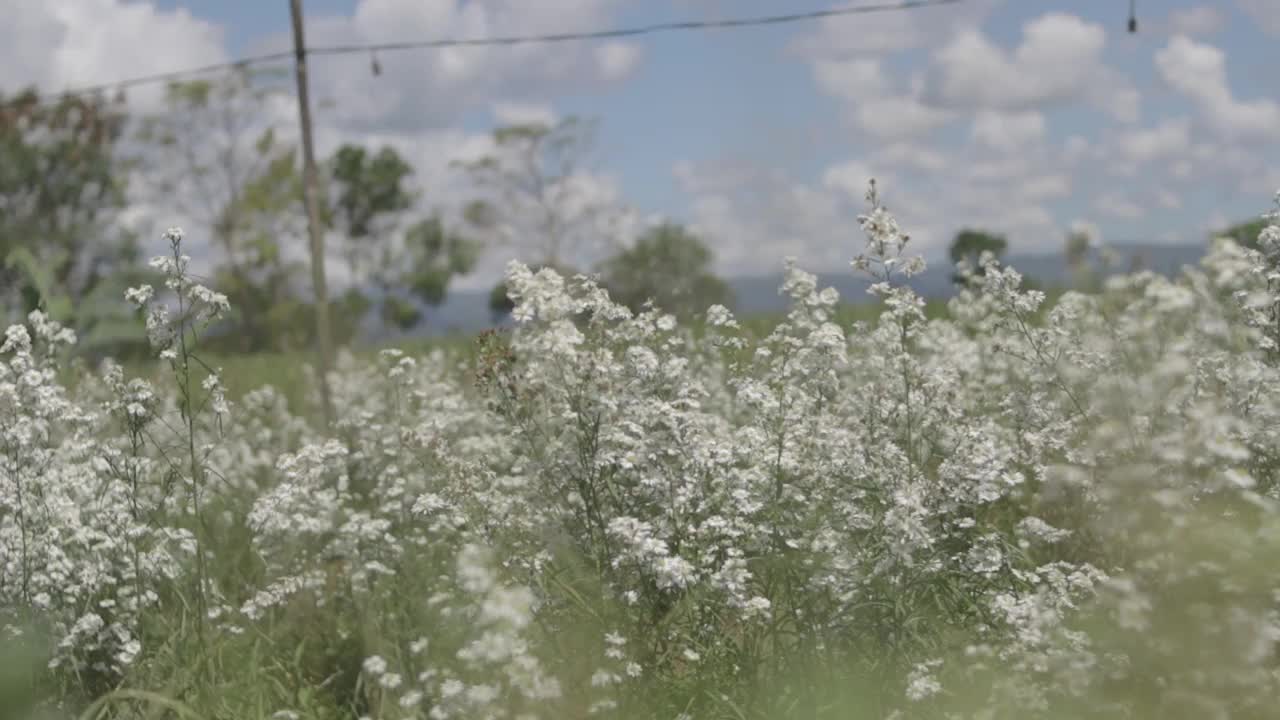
(373, 48)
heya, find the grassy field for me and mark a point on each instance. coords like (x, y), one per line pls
(988, 514)
(285, 372)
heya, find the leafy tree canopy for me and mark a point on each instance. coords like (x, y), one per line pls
(670, 266)
(62, 185)
(432, 256)
(970, 244)
(1245, 233)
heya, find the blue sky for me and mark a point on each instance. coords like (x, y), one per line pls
(1024, 117)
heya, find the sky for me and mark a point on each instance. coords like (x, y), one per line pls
(1023, 117)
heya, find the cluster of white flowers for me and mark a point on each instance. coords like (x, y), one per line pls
(1023, 506)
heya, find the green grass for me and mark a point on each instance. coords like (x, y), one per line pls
(243, 372)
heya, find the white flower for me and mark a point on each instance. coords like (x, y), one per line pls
(482, 694)
(139, 296)
(375, 665)
(451, 687)
(921, 683)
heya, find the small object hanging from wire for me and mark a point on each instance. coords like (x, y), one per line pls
(1133, 18)
(374, 64)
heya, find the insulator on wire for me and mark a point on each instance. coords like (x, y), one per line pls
(375, 65)
(1133, 18)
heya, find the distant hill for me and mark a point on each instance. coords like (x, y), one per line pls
(467, 311)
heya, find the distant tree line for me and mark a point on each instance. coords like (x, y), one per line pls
(212, 156)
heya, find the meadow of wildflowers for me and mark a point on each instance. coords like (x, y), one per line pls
(1015, 511)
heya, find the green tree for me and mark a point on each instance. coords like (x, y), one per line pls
(669, 266)
(1076, 253)
(368, 196)
(969, 245)
(369, 201)
(365, 199)
(1245, 233)
(432, 255)
(274, 313)
(62, 186)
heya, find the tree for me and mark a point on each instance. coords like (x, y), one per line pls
(431, 257)
(969, 245)
(669, 266)
(62, 186)
(217, 157)
(1245, 233)
(369, 202)
(368, 196)
(275, 314)
(365, 199)
(535, 201)
(1076, 254)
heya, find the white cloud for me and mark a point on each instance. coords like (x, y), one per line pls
(1121, 102)
(1116, 206)
(434, 88)
(851, 80)
(912, 156)
(617, 59)
(509, 113)
(1199, 20)
(1168, 199)
(852, 178)
(1046, 187)
(932, 190)
(1172, 137)
(839, 37)
(65, 44)
(1198, 71)
(1266, 13)
(1075, 149)
(753, 220)
(871, 104)
(876, 34)
(1008, 131)
(1058, 62)
(899, 117)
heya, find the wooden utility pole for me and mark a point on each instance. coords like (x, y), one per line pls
(324, 337)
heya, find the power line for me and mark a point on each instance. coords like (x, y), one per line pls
(732, 23)
(634, 31)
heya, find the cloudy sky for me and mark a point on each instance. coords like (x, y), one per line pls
(1023, 116)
